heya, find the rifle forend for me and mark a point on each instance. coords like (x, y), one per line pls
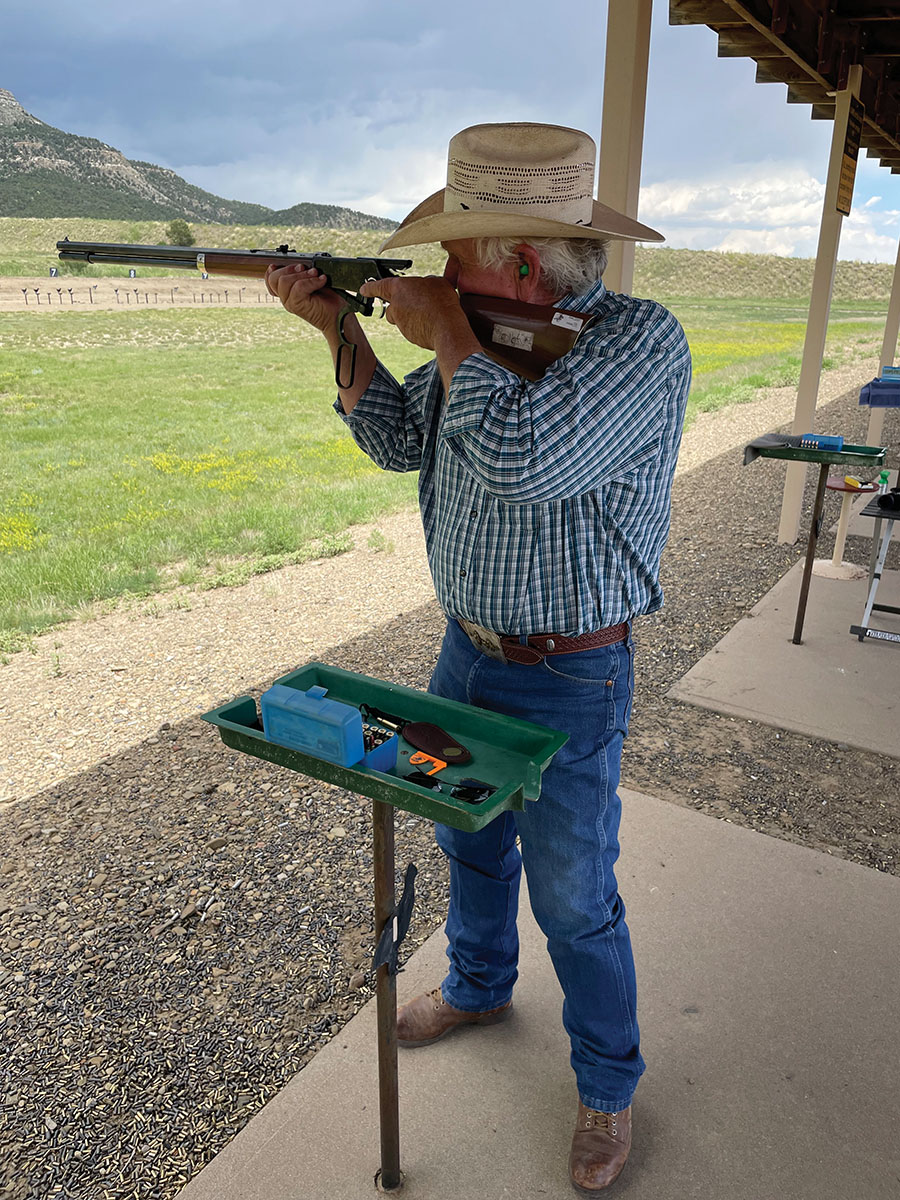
(525, 338)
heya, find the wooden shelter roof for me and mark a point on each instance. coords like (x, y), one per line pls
(810, 45)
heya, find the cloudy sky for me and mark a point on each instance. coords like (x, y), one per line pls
(280, 101)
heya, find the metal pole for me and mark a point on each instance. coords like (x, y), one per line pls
(818, 505)
(390, 1177)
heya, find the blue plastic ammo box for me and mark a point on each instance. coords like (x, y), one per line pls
(309, 722)
(328, 729)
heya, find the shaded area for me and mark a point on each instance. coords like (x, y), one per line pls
(829, 688)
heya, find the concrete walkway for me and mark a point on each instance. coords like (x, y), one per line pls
(832, 686)
(770, 1012)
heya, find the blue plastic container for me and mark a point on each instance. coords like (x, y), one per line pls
(309, 722)
(383, 757)
(821, 441)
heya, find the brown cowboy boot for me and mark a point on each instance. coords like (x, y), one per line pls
(429, 1017)
(600, 1147)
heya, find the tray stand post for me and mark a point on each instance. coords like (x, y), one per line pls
(389, 1177)
(814, 528)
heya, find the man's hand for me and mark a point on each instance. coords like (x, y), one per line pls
(427, 312)
(420, 307)
(300, 291)
(304, 293)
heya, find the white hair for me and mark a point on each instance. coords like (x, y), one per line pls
(567, 264)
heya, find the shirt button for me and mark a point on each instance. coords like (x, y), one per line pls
(474, 513)
(462, 573)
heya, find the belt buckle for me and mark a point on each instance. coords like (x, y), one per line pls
(484, 640)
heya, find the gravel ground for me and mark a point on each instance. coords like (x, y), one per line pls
(182, 927)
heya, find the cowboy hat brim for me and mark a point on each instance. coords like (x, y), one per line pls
(429, 223)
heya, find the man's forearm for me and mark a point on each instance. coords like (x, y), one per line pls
(366, 361)
(453, 344)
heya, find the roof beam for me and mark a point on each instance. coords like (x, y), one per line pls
(698, 12)
(806, 93)
(779, 70)
(780, 16)
(740, 42)
(775, 42)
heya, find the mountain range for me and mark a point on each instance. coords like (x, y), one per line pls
(45, 172)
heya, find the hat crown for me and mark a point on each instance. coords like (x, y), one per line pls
(534, 170)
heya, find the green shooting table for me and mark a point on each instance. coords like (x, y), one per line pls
(507, 754)
(847, 456)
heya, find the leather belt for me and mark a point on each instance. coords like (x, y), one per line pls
(508, 647)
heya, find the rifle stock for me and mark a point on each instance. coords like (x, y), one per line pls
(524, 338)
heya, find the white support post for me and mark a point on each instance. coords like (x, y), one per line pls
(622, 131)
(819, 304)
(888, 348)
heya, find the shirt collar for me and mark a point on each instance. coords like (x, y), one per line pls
(587, 301)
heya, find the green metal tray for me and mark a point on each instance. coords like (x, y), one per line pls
(507, 753)
(850, 456)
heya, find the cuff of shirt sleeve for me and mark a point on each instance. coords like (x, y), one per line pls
(377, 401)
(475, 380)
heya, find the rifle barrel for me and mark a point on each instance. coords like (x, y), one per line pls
(155, 256)
(249, 263)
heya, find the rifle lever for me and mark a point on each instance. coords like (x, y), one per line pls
(344, 347)
(365, 306)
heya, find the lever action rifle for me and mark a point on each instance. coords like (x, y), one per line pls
(525, 338)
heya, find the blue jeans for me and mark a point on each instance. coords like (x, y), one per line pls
(569, 845)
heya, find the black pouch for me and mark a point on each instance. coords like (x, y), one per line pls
(435, 741)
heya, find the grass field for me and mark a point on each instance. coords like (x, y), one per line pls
(739, 346)
(147, 448)
(192, 447)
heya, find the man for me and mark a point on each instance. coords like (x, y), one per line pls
(545, 507)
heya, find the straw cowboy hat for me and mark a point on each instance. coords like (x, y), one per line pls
(518, 180)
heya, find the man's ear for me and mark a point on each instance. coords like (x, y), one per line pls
(528, 273)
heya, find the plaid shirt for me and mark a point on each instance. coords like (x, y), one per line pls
(545, 505)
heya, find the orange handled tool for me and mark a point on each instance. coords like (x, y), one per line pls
(420, 757)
